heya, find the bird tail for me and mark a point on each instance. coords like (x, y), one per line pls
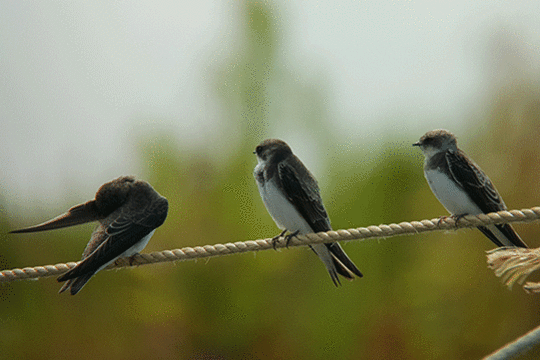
(502, 235)
(75, 285)
(336, 262)
(344, 265)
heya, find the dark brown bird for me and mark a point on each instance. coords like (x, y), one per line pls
(128, 212)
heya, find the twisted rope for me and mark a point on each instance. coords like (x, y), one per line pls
(362, 233)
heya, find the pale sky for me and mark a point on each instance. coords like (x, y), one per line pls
(81, 79)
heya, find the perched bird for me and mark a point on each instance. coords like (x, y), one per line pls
(128, 212)
(291, 196)
(460, 185)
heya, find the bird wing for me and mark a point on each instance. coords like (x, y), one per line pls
(482, 191)
(475, 183)
(78, 214)
(303, 193)
(125, 231)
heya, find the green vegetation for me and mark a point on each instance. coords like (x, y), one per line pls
(422, 297)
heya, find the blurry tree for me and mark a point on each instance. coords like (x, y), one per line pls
(427, 296)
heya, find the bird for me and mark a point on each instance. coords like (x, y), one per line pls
(462, 187)
(292, 197)
(128, 211)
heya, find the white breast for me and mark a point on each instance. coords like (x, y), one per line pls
(451, 196)
(287, 217)
(282, 211)
(138, 247)
(456, 201)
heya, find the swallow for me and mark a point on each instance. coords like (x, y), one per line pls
(461, 186)
(128, 212)
(292, 197)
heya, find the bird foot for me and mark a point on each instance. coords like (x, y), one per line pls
(276, 238)
(455, 217)
(132, 259)
(121, 261)
(289, 237)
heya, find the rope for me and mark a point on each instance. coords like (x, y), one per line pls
(362, 233)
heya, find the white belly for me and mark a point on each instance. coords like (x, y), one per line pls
(138, 247)
(451, 196)
(288, 218)
(281, 210)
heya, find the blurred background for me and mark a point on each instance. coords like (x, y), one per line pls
(179, 93)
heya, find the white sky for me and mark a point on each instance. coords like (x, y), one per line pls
(80, 79)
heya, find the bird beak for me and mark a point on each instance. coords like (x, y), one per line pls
(416, 144)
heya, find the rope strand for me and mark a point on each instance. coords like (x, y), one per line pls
(362, 233)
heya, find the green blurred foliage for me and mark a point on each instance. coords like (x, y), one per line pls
(428, 296)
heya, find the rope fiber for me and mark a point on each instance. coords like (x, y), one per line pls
(362, 233)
